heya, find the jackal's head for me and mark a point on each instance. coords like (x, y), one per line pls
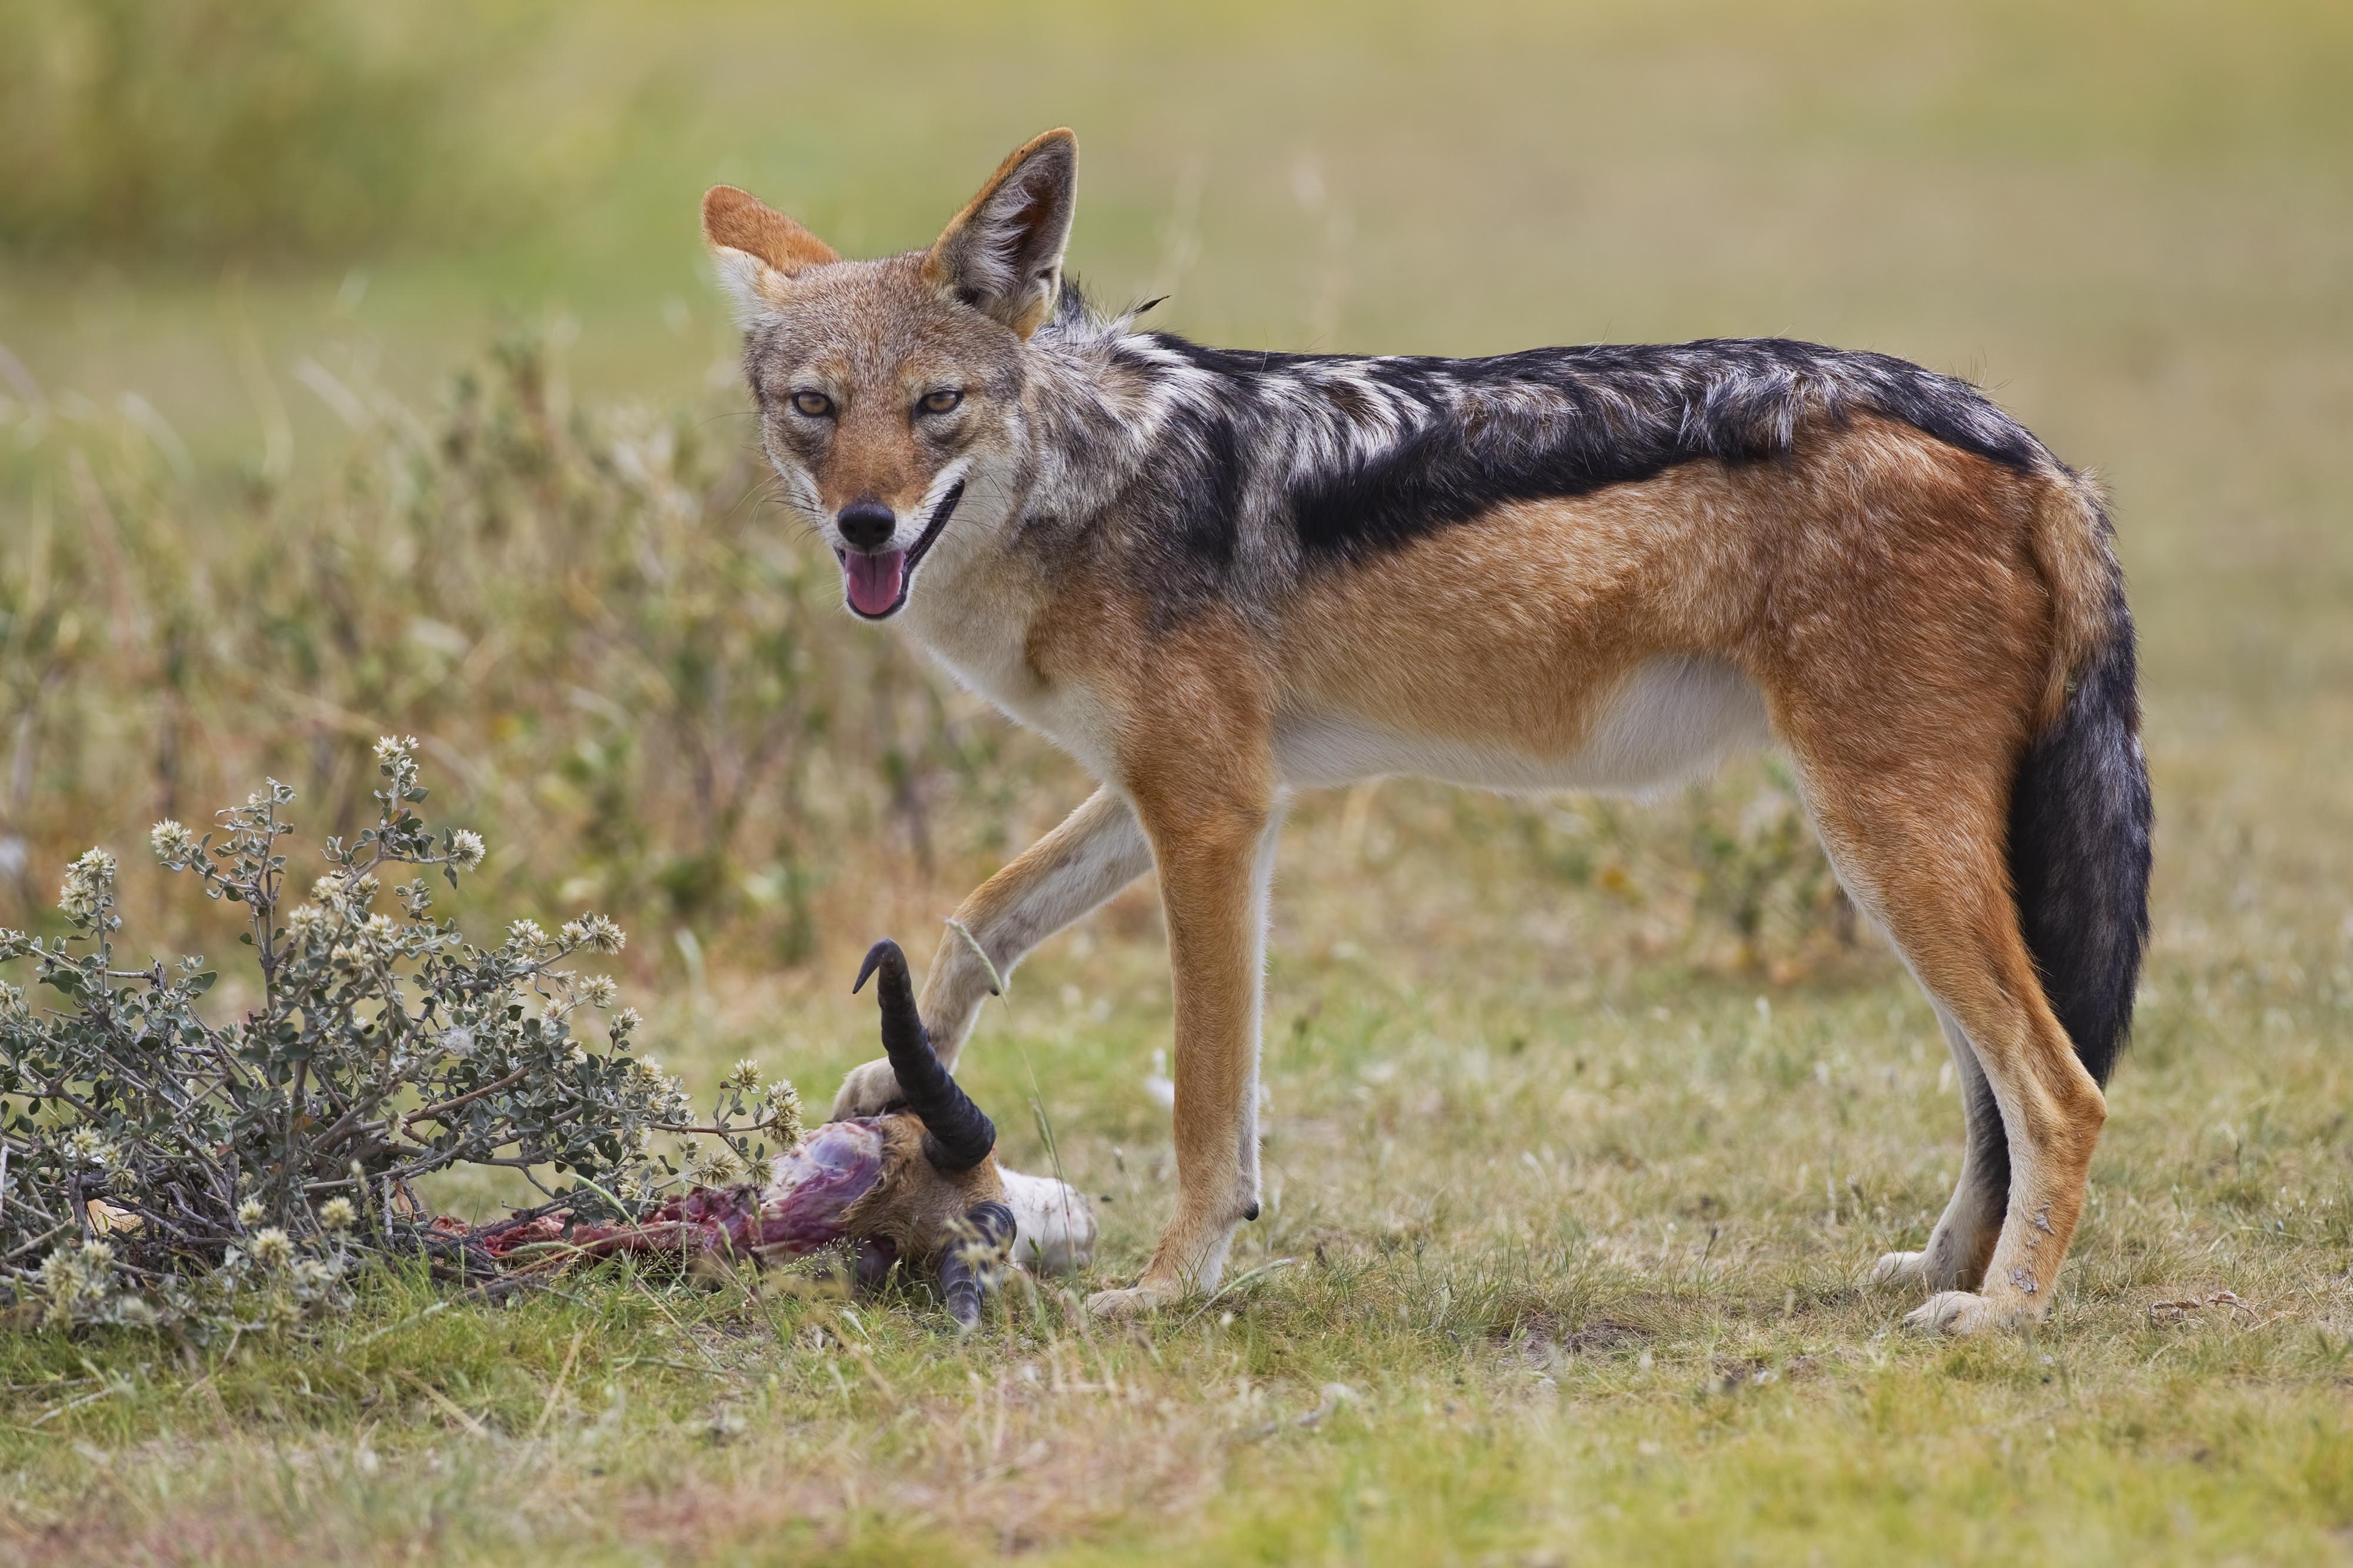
(890, 390)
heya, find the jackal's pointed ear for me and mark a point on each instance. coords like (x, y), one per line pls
(1003, 254)
(757, 249)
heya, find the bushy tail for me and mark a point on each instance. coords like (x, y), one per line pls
(2079, 811)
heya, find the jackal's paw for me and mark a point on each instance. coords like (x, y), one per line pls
(1900, 1268)
(869, 1086)
(1959, 1312)
(1139, 1301)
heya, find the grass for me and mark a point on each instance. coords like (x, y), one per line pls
(1564, 1280)
(1574, 1207)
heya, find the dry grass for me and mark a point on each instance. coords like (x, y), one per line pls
(1515, 1385)
(1572, 1207)
(1580, 1249)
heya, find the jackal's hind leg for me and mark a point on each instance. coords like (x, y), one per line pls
(1927, 847)
(1963, 1240)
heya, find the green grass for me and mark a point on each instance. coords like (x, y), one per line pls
(1588, 1296)
(1574, 1212)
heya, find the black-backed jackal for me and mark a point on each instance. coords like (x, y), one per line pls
(1217, 578)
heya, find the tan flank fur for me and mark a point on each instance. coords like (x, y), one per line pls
(1217, 582)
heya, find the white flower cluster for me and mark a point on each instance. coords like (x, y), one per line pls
(711, 1167)
(293, 1284)
(597, 933)
(88, 886)
(87, 1146)
(76, 1280)
(780, 1111)
(671, 1101)
(173, 844)
(351, 893)
(339, 915)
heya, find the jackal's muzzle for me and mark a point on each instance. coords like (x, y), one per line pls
(876, 581)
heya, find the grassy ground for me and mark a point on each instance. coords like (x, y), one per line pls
(1558, 1263)
(1566, 1215)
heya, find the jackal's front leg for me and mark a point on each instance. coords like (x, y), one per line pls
(1097, 850)
(1215, 860)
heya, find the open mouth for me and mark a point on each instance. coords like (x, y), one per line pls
(875, 581)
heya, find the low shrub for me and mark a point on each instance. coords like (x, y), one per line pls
(161, 1166)
(629, 666)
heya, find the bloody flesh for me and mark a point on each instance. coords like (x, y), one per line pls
(799, 1209)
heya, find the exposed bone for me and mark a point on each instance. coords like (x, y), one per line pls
(1053, 1223)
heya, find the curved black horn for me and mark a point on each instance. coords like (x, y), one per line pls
(972, 1258)
(958, 1134)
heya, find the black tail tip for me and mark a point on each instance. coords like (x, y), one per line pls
(2080, 827)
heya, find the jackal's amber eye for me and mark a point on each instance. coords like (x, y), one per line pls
(940, 402)
(816, 405)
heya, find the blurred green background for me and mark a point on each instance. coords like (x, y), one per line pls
(2025, 190)
(359, 370)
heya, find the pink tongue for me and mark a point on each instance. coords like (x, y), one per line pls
(873, 579)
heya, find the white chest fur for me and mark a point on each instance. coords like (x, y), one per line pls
(978, 630)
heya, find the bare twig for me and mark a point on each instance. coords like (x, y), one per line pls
(440, 1111)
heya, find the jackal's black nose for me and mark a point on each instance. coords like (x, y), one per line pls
(866, 524)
